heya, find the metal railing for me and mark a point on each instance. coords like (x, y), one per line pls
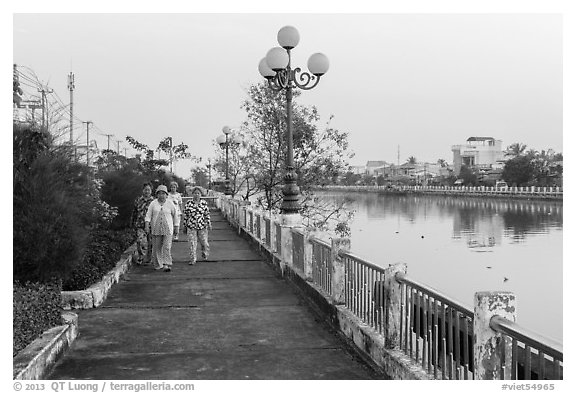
(364, 290)
(556, 192)
(278, 237)
(532, 356)
(436, 331)
(322, 264)
(267, 232)
(298, 249)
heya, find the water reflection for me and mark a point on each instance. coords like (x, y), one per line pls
(480, 221)
(462, 245)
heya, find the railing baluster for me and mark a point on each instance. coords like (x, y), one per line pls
(425, 338)
(412, 319)
(466, 357)
(457, 340)
(514, 359)
(444, 354)
(355, 281)
(418, 301)
(556, 369)
(435, 347)
(450, 342)
(541, 370)
(406, 317)
(443, 335)
(372, 302)
(527, 362)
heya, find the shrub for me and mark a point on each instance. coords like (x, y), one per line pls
(36, 308)
(52, 211)
(120, 189)
(102, 253)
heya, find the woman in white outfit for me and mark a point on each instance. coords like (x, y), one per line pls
(162, 221)
(176, 198)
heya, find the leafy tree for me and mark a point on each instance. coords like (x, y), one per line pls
(147, 163)
(319, 153)
(368, 180)
(412, 160)
(109, 160)
(518, 171)
(469, 177)
(350, 178)
(175, 152)
(199, 177)
(516, 149)
(442, 162)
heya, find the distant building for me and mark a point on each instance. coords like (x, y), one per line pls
(373, 167)
(479, 151)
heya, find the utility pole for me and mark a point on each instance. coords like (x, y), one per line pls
(87, 142)
(118, 147)
(44, 106)
(71, 88)
(398, 155)
(108, 135)
(171, 155)
(125, 152)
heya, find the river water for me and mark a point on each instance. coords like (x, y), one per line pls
(463, 245)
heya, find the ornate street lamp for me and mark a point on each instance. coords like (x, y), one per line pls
(224, 141)
(209, 166)
(276, 68)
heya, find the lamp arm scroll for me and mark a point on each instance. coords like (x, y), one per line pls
(304, 80)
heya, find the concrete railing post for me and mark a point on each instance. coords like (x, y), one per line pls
(393, 304)
(273, 221)
(308, 236)
(338, 270)
(287, 222)
(242, 213)
(492, 350)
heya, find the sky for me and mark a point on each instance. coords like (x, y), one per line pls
(415, 76)
(400, 84)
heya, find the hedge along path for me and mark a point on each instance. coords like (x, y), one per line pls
(95, 295)
(38, 358)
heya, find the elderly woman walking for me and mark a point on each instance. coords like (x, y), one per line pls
(162, 221)
(175, 197)
(143, 240)
(197, 222)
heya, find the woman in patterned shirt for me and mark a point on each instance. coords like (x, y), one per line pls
(143, 240)
(162, 221)
(197, 222)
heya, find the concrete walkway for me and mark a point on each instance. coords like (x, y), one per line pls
(229, 317)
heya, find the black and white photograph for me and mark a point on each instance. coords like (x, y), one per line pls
(352, 196)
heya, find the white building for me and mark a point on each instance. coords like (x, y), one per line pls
(479, 151)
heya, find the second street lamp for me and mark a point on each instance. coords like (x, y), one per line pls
(209, 166)
(276, 68)
(225, 141)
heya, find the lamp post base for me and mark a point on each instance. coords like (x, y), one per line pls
(227, 190)
(291, 191)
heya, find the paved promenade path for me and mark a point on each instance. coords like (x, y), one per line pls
(229, 317)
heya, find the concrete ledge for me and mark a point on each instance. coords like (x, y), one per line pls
(95, 295)
(394, 362)
(37, 359)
